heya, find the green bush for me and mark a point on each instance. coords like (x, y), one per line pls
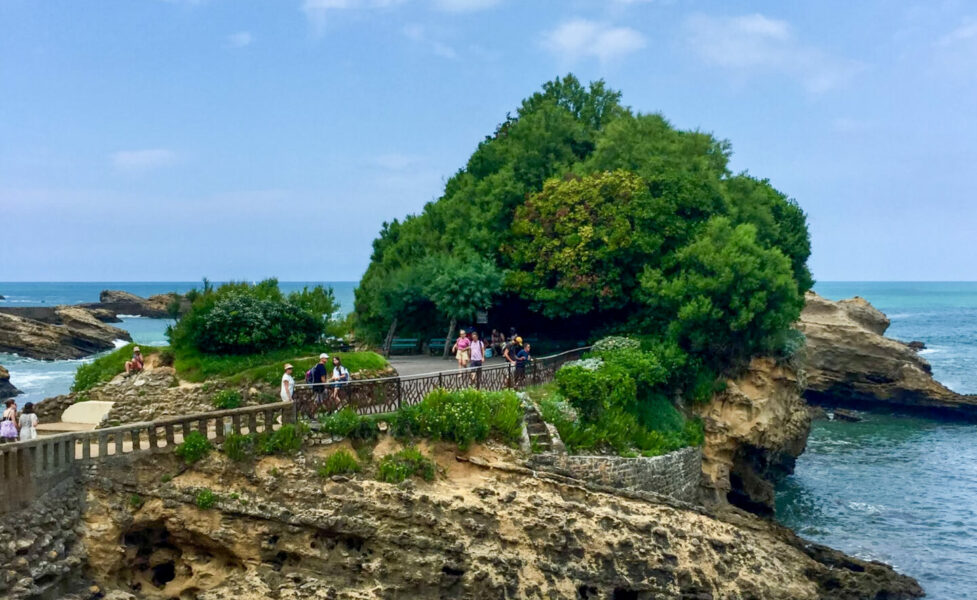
(339, 463)
(239, 447)
(463, 417)
(285, 440)
(346, 423)
(397, 467)
(226, 399)
(615, 342)
(206, 499)
(194, 447)
(104, 368)
(593, 393)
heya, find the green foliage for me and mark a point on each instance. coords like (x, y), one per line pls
(593, 393)
(240, 318)
(727, 296)
(166, 478)
(136, 501)
(614, 342)
(206, 499)
(239, 447)
(194, 447)
(339, 463)
(287, 439)
(226, 399)
(462, 416)
(346, 423)
(104, 368)
(266, 366)
(396, 467)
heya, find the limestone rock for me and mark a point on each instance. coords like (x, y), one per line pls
(78, 334)
(123, 303)
(848, 360)
(7, 389)
(755, 429)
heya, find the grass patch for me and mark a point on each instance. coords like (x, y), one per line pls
(397, 467)
(266, 366)
(194, 447)
(206, 499)
(104, 368)
(226, 399)
(463, 417)
(340, 463)
(287, 439)
(346, 423)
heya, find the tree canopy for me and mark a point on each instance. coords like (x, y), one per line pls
(579, 209)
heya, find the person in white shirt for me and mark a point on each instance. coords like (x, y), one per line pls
(288, 384)
(340, 375)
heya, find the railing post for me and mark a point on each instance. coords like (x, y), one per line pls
(134, 434)
(252, 422)
(269, 420)
(103, 445)
(400, 392)
(186, 428)
(219, 426)
(236, 423)
(170, 437)
(119, 443)
(202, 426)
(153, 442)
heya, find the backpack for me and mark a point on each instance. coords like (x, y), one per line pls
(309, 375)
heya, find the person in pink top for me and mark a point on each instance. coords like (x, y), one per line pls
(461, 349)
(477, 351)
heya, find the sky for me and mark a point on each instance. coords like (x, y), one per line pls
(168, 140)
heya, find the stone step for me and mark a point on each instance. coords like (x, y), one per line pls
(63, 427)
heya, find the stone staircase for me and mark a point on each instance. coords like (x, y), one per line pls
(539, 435)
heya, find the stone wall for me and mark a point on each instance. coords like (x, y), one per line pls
(40, 551)
(676, 474)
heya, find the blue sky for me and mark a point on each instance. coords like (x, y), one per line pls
(170, 140)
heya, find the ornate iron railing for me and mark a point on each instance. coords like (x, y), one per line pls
(388, 394)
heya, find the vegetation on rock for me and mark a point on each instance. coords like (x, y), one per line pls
(399, 466)
(226, 399)
(104, 368)
(339, 463)
(193, 448)
(462, 416)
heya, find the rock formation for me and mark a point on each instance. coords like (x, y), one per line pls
(278, 530)
(755, 429)
(7, 389)
(123, 303)
(847, 360)
(78, 334)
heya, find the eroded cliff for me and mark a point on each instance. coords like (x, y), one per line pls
(278, 530)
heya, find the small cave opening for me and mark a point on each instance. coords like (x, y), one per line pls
(624, 594)
(163, 573)
(587, 592)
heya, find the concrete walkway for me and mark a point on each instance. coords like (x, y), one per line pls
(418, 364)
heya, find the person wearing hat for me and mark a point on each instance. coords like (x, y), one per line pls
(288, 384)
(461, 348)
(134, 365)
(320, 375)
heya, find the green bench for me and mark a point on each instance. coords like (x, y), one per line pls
(408, 345)
(435, 346)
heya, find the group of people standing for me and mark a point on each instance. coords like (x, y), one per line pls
(322, 381)
(12, 427)
(471, 351)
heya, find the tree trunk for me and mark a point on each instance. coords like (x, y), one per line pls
(390, 338)
(447, 338)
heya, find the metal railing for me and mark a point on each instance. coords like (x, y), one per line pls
(388, 394)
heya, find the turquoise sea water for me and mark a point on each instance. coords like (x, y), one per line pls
(43, 379)
(896, 488)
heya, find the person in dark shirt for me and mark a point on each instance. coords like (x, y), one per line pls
(511, 349)
(320, 375)
(523, 358)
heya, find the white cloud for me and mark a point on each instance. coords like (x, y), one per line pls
(317, 11)
(240, 39)
(417, 33)
(581, 38)
(755, 43)
(142, 160)
(964, 33)
(464, 5)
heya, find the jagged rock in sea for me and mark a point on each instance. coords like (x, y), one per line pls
(847, 360)
(755, 429)
(276, 529)
(120, 302)
(77, 333)
(7, 389)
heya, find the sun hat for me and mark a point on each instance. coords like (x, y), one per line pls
(136, 349)
(518, 340)
(288, 366)
(462, 331)
(323, 355)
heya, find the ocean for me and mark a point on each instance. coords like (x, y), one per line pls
(42, 379)
(895, 488)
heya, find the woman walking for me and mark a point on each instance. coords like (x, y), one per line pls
(461, 349)
(28, 423)
(340, 377)
(8, 428)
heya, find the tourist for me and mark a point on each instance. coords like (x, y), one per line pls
(28, 423)
(340, 377)
(498, 342)
(135, 365)
(511, 349)
(288, 384)
(320, 375)
(523, 358)
(477, 351)
(8, 428)
(461, 349)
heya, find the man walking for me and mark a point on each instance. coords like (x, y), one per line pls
(523, 358)
(320, 375)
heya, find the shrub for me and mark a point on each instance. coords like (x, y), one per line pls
(136, 501)
(615, 342)
(285, 440)
(397, 467)
(206, 499)
(226, 399)
(462, 416)
(339, 463)
(594, 392)
(239, 447)
(346, 423)
(194, 447)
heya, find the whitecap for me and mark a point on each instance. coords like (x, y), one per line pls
(119, 343)
(865, 507)
(130, 316)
